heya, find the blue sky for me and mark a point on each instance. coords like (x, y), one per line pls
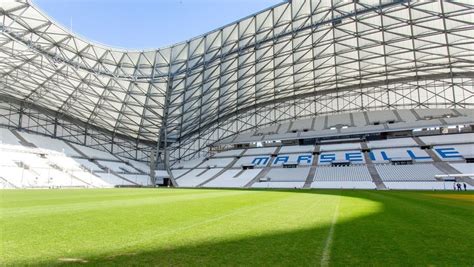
(147, 24)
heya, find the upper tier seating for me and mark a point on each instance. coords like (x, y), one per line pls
(417, 172)
(50, 143)
(94, 153)
(435, 113)
(406, 115)
(268, 130)
(448, 139)
(301, 125)
(389, 143)
(337, 147)
(381, 116)
(355, 123)
(260, 151)
(339, 119)
(229, 153)
(296, 149)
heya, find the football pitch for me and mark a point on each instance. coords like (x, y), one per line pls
(204, 227)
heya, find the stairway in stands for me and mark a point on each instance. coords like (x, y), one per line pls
(265, 171)
(312, 171)
(371, 167)
(5, 181)
(56, 167)
(100, 166)
(22, 140)
(428, 151)
(440, 164)
(223, 169)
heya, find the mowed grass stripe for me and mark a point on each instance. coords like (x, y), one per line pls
(186, 227)
(100, 203)
(173, 216)
(246, 233)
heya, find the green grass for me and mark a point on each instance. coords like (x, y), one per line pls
(235, 227)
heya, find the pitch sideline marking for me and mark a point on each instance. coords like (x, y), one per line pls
(327, 246)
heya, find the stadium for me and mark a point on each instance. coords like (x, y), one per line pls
(314, 132)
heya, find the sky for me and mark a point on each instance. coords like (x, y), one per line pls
(147, 24)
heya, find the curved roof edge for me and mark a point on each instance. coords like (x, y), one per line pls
(128, 50)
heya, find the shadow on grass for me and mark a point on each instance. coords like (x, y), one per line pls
(408, 230)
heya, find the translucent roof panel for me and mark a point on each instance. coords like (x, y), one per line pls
(294, 50)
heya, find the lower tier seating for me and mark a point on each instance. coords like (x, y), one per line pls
(36, 161)
(278, 185)
(196, 177)
(422, 185)
(287, 174)
(343, 184)
(417, 172)
(464, 168)
(345, 173)
(234, 178)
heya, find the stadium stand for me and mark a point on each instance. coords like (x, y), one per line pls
(36, 161)
(347, 177)
(464, 168)
(419, 172)
(287, 175)
(393, 142)
(420, 186)
(294, 80)
(196, 177)
(393, 160)
(355, 123)
(278, 185)
(448, 139)
(346, 173)
(234, 178)
(343, 185)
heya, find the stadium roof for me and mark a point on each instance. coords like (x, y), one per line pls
(44, 65)
(302, 50)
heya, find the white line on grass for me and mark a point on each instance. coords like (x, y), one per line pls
(327, 246)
